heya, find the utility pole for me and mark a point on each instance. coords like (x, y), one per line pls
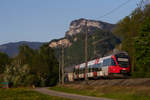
(86, 51)
(62, 65)
(59, 70)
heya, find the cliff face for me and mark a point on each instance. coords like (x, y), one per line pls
(77, 26)
(64, 42)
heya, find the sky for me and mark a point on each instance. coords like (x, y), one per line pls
(44, 20)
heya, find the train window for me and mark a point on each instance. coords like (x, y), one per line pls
(107, 62)
(95, 66)
(99, 65)
(113, 63)
(122, 59)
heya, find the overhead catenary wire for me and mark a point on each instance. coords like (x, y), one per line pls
(115, 9)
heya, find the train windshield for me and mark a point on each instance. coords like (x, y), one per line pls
(123, 60)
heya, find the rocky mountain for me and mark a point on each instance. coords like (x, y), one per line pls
(12, 48)
(77, 26)
(74, 41)
(59, 42)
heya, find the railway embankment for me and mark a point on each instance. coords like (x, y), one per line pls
(114, 82)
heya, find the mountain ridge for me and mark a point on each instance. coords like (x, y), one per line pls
(12, 48)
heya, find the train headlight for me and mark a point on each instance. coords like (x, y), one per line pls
(123, 71)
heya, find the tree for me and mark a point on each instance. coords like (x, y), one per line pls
(33, 67)
(142, 50)
(4, 60)
(45, 65)
(25, 54)
(129, 28)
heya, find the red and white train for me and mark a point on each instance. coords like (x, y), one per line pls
(110, 66)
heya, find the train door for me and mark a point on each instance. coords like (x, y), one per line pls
(105, 66)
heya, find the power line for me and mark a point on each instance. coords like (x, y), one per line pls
(113, 10)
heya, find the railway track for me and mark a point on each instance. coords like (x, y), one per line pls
(115, 82)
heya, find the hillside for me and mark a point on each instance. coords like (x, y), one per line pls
(12, 48)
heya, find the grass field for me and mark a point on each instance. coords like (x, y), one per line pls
(24, 94)
(118, 93)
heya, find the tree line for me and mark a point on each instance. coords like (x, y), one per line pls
(134, 31)
(30, 67)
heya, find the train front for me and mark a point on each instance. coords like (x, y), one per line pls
(122, 64)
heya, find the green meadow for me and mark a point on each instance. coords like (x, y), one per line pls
(24, 94)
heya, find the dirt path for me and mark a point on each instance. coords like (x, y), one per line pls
(67, 95)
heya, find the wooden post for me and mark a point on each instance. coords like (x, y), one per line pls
(59, 70)
(86, 51)
(62, 65)
(94, 46)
